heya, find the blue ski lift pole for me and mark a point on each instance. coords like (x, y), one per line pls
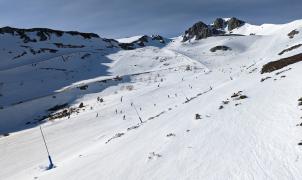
(49, 158)
(140, 119)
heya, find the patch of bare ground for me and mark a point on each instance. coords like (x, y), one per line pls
(290, 49)
(300, 101)
(280, 72)
(4, 135)
(281, 63)
(266, 78)
(292, 33)
(58, 112)
(220, 48)
(235, 97)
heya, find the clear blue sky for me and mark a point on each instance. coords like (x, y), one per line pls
(122, 18)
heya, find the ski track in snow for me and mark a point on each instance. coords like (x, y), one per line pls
(252, 137)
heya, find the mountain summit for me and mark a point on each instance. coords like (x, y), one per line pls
(220, 26)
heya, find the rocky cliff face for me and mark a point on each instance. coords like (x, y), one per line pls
(219, 23)
(234, 23)
(201, 30)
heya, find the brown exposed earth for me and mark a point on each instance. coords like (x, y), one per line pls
(290, 49)
(279, 64)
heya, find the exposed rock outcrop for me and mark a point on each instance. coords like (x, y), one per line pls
(201, 30)
(43, 34)
(292, 33)
(219, 23)
(281, 63)
(158, 38)
(142, 42)
(220, 48)
(290, 49)
(234, 23)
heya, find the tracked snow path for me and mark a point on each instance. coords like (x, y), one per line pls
(248, 141)
(247, 127)
(243, 143)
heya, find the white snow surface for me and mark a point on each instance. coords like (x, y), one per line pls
(252, 138)
(129, 39)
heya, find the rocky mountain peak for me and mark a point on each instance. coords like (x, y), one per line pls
(219, 23)
(201, 30)
(234, 23)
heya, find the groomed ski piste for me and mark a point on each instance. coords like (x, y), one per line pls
(173, 111)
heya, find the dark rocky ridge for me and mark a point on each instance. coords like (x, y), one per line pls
(292, 34)
(290, 49)
(219, 23)
(142, 42)
(43, 33)
(281, 63)
(234, 23)
(201, 30)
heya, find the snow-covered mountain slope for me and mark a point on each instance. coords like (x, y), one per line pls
(129, 39)
(268, 29)
(142, 41)
(223, 107)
